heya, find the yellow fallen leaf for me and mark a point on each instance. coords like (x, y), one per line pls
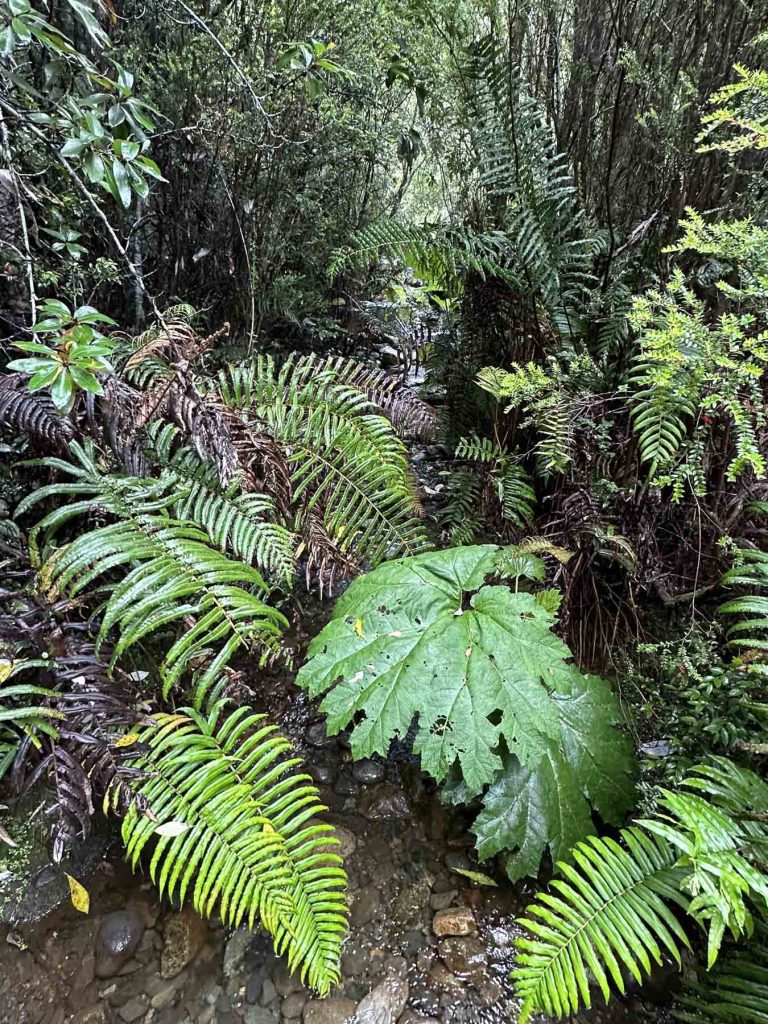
(172, 828)
(128, 740)
(359, 627)
(79, 895)
(6, 667)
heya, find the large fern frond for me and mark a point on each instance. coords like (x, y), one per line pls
(232, 825)
(172, 575)
(347, 463)
(241, 523)
(613, 911)
(610, 914)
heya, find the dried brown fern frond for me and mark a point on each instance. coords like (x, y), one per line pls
(33, 415)
(171, 340)
(324, 561)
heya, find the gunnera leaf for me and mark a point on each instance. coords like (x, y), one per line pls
(530, 808)
(439, 639)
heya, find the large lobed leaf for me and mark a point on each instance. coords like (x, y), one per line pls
(490, 686)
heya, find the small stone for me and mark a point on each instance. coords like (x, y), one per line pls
(464, 957)
(329, 1011)
(285, 982)
(321, 774)
(259, 1015)
(456, 860)
(134, 1009)
(183, 938)
(454, 921)
(389, 357)
(383, 803)
(318, 737)
(96, 1014)
(292, 1006)
(164, 997)
(413, 942)
(355, 962)
(346, 785)
(385, 1003)
(347, 841)
(364, 908)
(268, 992)
(253, 988)
(235, 950)
(443, 900)
(368, 772)
(117, 939)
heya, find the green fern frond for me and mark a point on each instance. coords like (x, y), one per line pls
(172, 574)
(238, 522)
(610, 914)
(233, 825)
(703, 852)
(734, 991)
(347, 462)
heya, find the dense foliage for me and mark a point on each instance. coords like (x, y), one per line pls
(455, 314)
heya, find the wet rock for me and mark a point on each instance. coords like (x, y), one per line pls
(442, 900)
(454, 921)
(286, 983)
(318, 737)
(383, 803)
(389, 357)
(346, 785)
(385, 1003)
(134, 1009)
(259, 1015)
(329, 1011)
(368, 772)
(253, 988)
(291, 1008)
(457, 860)
(364, 908)
(413, 942)
(96, 1014)
(116, 941)
(183, 938)
(347, 841)
(268, 992)
(164, 996)
(235, 950)
(409, 907)
(409, 1017)
(464, 957)
(321, 774)
(354, 962)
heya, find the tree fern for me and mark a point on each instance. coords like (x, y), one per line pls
(172, 573)
(703, 852)
(232, 825)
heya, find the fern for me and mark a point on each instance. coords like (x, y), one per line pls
(231, 824)
(735, 991)
(347, 463)
(508, 478)
(172, 573)
(749, 632)
(703, 852)
(238, 522)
